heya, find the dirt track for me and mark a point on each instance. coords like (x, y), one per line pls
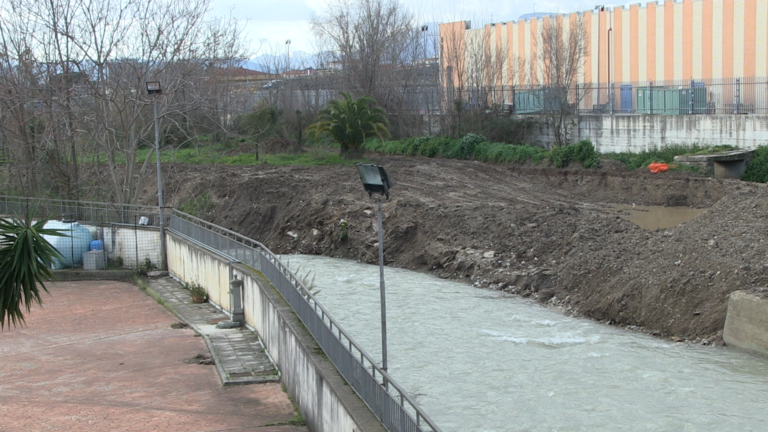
(550, 234)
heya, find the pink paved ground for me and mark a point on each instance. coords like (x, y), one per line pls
(101, 356)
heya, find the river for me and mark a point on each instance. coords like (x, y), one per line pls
(479, 360)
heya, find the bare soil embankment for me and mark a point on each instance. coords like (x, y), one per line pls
(537, 232)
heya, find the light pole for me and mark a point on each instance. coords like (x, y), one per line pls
(598, 8)
(376, 181)
(610, 86)
(154, 89)
(288, 48)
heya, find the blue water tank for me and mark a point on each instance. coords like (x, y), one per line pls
(97, 245)
(78, 240)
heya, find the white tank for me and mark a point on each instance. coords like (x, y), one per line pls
(78, 240)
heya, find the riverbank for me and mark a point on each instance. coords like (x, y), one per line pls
(549, 234)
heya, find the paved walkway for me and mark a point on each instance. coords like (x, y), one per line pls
(102, 356)
(240, 357)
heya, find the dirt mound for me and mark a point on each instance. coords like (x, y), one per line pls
(541, 232)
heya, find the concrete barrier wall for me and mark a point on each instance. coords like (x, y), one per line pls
(746, 323)
(637, 133)
(325, 401)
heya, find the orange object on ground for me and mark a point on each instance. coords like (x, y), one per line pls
(657, 167)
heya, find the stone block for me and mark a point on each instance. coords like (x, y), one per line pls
(746, 323)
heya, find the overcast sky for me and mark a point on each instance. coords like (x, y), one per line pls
(271, 22)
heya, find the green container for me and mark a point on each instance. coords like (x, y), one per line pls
(671, 101)
(699, 100)
(528, 101)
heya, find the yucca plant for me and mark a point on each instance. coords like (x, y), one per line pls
(350, 122)
(25, 263)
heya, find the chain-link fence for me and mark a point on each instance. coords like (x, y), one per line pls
(97, 236)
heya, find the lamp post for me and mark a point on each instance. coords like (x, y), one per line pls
(288, 48)
(610, 85)
(154, 89)
(376, 181)
(599, 9)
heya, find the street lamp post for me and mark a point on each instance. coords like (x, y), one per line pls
(288, 48)
(376, 181)
(599, 9)
(610, 85)
(154, 89)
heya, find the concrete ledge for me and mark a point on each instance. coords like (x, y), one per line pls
(746, 323)
(730, 164)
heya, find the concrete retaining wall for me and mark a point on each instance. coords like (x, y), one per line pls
(325, 401)
(636, 133)
(746, 324)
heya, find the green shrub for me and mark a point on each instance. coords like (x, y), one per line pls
(434, 146)
(757, 168)
(582, 152)
(468, 145)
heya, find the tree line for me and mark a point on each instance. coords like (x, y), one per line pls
(73, 76)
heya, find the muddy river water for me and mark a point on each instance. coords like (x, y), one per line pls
(477, 360)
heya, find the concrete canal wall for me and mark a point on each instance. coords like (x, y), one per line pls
(325, 401)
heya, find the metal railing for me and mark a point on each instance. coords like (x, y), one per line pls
(387, 400)
(95, 212)
(738, 95)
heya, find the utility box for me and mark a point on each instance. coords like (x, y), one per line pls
(626, 98)
(94, 260)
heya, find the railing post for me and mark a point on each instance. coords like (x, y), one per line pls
(737, 96)
(611, 96)
(690, 106)
(650, 97)
(236, 300)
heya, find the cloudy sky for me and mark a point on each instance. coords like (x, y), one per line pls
(269, 23)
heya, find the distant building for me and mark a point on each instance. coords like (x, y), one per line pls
(672, 43)
(300, 73)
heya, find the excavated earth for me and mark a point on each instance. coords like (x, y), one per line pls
(555, 235)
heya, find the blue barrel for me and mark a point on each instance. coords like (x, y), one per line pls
(97, 245)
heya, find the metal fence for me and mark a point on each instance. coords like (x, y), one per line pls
(744, 95)
(128, 233)
(389, 402)
(95, 212)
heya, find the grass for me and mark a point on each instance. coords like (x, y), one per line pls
(217, 154)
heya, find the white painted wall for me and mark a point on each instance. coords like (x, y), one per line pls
(132, 244)
(636, 133)
(307, 380)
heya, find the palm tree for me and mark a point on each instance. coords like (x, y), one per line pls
(25, 262)
(350, 122)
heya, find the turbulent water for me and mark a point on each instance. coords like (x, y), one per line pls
(480, 361)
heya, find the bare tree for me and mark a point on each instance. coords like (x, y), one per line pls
(477, 69)
(78, 69)
(374, 46)
(562, 47)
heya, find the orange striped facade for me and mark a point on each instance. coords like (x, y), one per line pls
(659, 41)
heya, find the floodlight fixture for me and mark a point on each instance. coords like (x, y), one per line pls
(153, 87)
(375, 179)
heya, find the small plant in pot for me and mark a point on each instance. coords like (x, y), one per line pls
(197, 292)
